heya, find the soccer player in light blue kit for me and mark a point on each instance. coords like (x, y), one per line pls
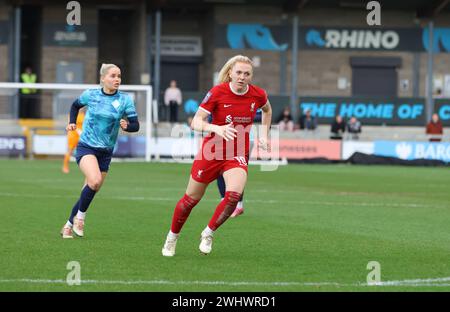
(106, 108)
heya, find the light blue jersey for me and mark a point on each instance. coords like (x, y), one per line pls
(102, 122)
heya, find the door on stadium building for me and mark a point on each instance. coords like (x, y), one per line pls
(115, 27)
(375, 76)
(186, 75)
(30, 56)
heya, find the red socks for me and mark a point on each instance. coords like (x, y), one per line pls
(224, 209)
(181, 213)
(222, 213)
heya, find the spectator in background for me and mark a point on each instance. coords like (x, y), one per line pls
(438, 94)
(434, 129)
(28, 97)
(354, 128)
(307, 121)
(337, 128)
(172, 99)
(285, 121)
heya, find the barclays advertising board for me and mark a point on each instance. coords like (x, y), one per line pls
(413, 150)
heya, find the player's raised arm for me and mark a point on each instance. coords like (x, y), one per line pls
(200, 123)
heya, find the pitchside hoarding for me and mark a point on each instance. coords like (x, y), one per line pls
(303, 149)
(413, 150)
(13, 146)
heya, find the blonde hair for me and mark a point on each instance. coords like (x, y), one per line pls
(104, 70)
(224, 74)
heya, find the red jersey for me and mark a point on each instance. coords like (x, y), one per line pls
(226, 106)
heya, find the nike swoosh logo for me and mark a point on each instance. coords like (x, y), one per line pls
(226, 105)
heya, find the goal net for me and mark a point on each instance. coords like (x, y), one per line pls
(53, 100)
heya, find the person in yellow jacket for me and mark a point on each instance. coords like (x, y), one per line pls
(28, 77)
(28, 97)
(72, 140)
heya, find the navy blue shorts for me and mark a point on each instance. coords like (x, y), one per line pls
(103, 155)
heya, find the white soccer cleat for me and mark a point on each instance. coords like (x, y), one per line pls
(66, 232)
(205, 244)
(78, 227)
(169, 247)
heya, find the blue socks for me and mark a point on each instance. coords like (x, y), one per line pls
(221, 185)
(74, 211)
(87, 194)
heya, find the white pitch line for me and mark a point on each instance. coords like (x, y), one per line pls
(259, 201)
(431, 282)
(417, 281)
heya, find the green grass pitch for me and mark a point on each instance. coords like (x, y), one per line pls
(305, 228)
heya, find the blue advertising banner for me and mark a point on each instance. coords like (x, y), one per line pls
(278, 38)
(442, 108)
(413, 150)
(253, 36)
(381, 111)
(64, 35)
(387, 111)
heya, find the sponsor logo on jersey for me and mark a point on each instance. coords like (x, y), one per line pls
(228, 119)
(242, 119)
(208, 95)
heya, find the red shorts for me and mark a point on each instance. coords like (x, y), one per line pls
(206, 171)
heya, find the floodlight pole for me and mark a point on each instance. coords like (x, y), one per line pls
(17, 31)
(430, 102)
(157, 55)
(293, 102)
(15, 55)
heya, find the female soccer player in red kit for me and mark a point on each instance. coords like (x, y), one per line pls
(225, 150)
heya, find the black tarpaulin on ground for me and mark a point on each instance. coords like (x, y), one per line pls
(365, 159)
